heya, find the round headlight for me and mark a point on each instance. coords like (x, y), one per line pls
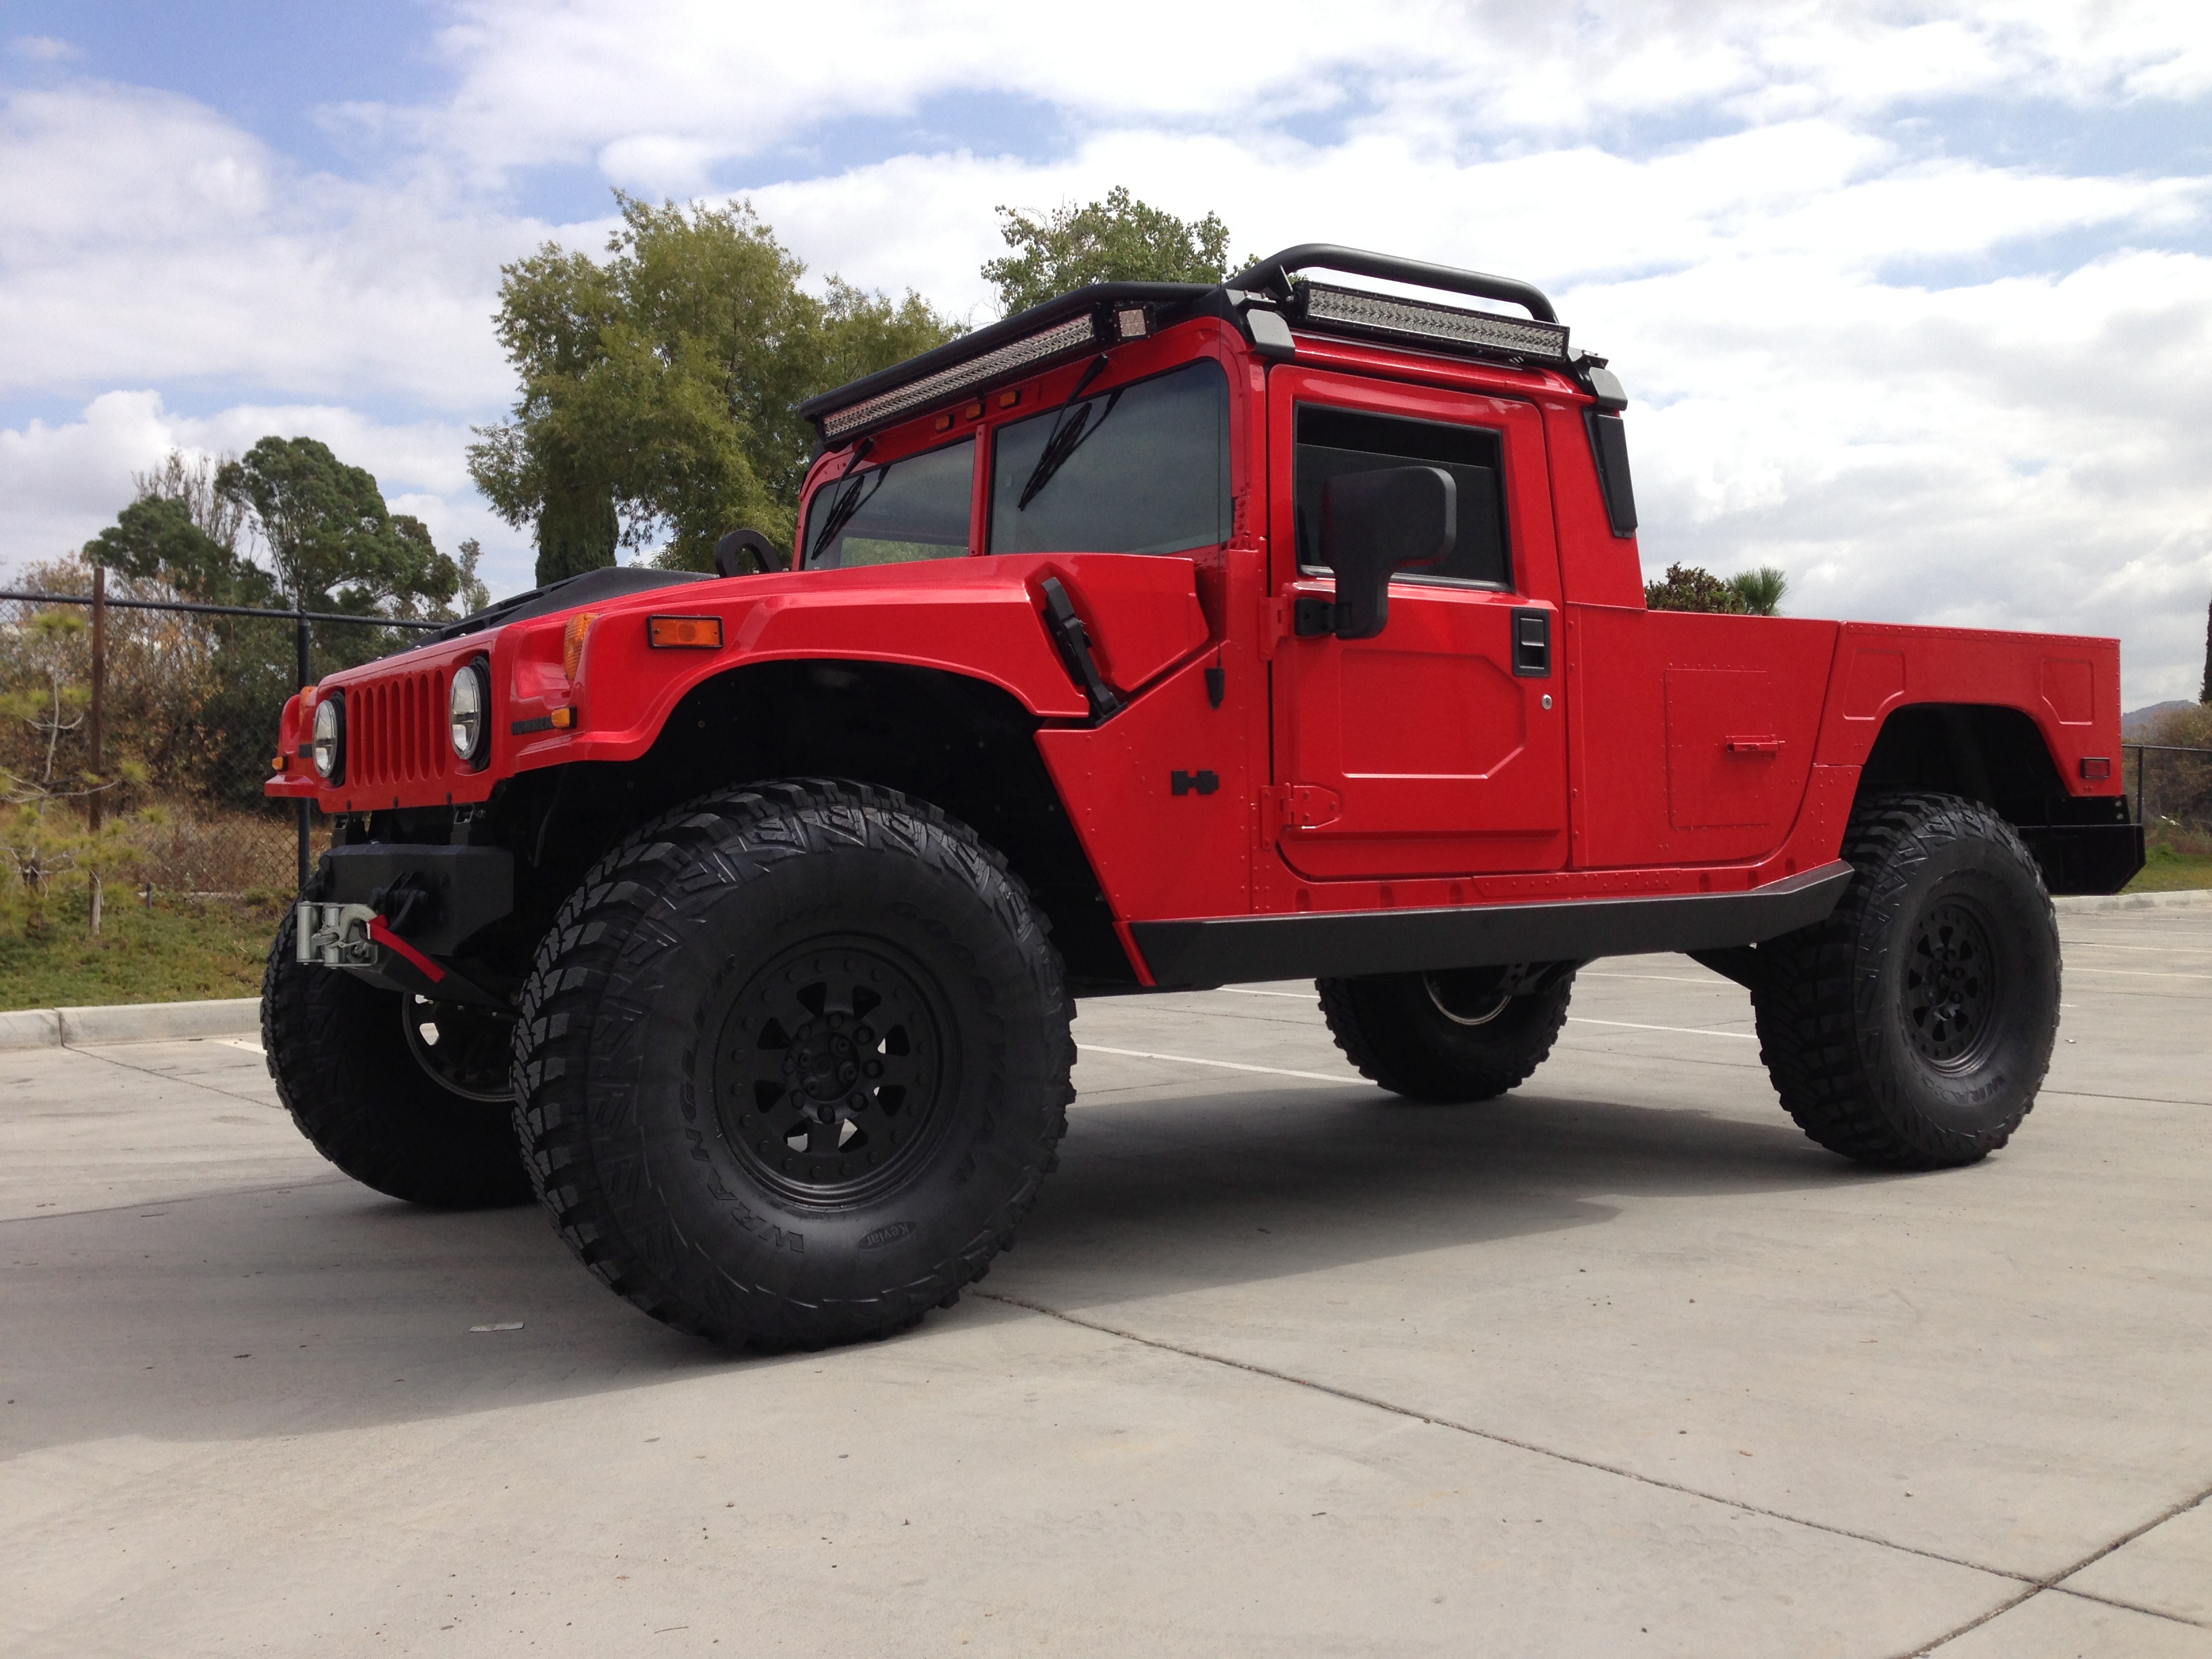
(466, 712)
(329, 735)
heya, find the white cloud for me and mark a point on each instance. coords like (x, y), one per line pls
(43, 49)
(1935, 387)
(696, 82)
(144, 237)
(60, 484)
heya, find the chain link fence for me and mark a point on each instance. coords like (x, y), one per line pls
(2170, 793)
(139, 726)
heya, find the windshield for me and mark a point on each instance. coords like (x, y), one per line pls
(1141, 468)
(915, 508)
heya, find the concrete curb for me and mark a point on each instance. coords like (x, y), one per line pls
(130, 1021)
(2191, 898)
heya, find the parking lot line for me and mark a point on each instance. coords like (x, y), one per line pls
(1222, 1064)
(1686, 1031)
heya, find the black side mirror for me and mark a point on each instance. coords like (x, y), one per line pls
(1373, 524)
(734, 548)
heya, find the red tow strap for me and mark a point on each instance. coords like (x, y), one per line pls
(399, 947)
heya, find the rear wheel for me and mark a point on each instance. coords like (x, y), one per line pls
(794, 1063)
(1465, 1034)
(347, 1068)
(1912, 1027)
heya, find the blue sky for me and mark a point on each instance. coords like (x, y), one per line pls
(1914, 299)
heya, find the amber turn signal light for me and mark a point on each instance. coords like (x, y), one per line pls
(684, 633)
(572, 642)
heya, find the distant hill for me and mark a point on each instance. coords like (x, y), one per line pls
(2135, 721)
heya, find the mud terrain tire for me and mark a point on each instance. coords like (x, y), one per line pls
(793, 1064)
(339, 1057)
(1445, 1037)
(1911, 1029)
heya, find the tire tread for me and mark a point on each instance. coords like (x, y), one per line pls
(733, 833)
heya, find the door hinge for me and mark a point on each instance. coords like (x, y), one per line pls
(1303, 806)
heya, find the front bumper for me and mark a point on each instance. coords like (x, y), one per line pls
(395, 914)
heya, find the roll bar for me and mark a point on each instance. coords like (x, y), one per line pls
(1274, 273)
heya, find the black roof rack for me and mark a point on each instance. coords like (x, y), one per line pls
(1008, 350)
(1105, 314)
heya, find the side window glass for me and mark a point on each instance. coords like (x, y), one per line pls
(1141, 468)
(1332, 442)
(915, 508)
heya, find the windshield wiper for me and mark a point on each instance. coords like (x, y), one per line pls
(1066, 436)
(850, 500)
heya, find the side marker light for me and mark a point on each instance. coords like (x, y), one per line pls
(564, 719)
(572, 642)
(2096, 768)
(684, 633)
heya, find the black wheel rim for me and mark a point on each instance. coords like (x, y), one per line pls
(831, 1071)
(1952, 986)
(466, 1050)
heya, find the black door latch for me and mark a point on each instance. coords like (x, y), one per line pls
(1532, 643)
(1201, 783)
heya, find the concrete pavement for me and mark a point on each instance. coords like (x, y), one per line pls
(1621, 1364)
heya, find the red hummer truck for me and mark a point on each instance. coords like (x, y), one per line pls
(1160, 636)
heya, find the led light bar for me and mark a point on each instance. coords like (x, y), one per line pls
(1387, 317)
(1075, 334)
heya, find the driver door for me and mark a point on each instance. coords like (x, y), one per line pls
(1437, 747)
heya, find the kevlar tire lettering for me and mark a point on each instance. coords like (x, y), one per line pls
(683, 1027)
(1444, 1037)
(1911, 1029)
(342, 1068)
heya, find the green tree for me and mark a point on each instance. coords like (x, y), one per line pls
(154, 539)
(332, 543)
(660, 385)
(335, 545)
(1760, 590)
(1690, 588)
(474, 595)
(1120, 240)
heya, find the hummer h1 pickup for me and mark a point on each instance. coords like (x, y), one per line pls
(1163, 636)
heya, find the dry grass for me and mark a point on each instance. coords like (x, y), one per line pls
(194, 850)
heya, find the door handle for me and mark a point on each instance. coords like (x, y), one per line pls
(1532, 643)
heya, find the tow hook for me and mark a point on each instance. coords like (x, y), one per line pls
(336, 935)
(349, 935)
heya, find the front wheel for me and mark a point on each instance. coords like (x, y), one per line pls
(366, 1078)
(1461, 1034)
(1912, 1027)
(793, 1062)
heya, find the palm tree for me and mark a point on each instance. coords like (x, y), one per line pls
(1760, 590)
